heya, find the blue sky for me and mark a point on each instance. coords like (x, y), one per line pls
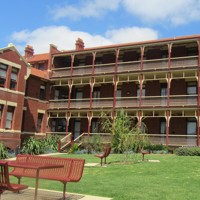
(98, 22)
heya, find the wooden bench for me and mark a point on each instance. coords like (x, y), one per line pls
(5, 180)
(105, 154)
(71, 171)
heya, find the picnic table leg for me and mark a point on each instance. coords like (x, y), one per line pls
(64, 190)
(36, 184)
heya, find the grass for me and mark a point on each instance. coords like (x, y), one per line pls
(173, 178)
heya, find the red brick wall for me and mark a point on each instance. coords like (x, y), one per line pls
(178, 126)
(31, 115)
(106, 90)
(178, 51)
(130, 56)
(153, 54)
(153, 125)
(152, 88)
(108, 58)
(84, 125)
(86, 91)
(129, 89)
(178, 87)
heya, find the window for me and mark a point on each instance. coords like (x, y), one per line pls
(9, 117)
(39, 122)
(42, 92)
(96, 93)
(41, 66)
(56, 94)
(163, 126)
(1, 112)
(191, 126)
(79, 94)
(143, 91)
(95, 126)
(3, 72)
(163, 89)
(13, 78)
(191, 88)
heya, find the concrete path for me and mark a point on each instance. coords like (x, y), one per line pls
(47, 195)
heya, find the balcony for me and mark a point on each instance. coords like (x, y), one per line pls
(104, 69)
(157, 64)
(126, 102)
(173, 140)
(183, 62)
(127, 67)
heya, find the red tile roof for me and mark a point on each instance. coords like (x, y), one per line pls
(39, 73)
(38, 57)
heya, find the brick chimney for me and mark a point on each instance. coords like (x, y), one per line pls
(79, 44)
(29, 51)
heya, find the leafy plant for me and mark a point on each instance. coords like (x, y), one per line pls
(126, 137)
(33, 146)
(3, 151)
(74, 148)
(51, 142)
(187, 151)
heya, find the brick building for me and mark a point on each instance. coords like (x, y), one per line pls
(156, 82)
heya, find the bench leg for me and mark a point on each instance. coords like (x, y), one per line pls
(101, 161)
(105, 161)
(64, 190)
(142, 156)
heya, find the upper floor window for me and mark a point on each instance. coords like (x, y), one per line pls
(96, 93)
(163, 89)
(3, 72)
(13, 78)
(143, 91)
(41, 66)
(9, 117)
(42, 92)
(191, 88)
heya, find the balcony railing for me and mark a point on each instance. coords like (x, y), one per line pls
(126, 102)
(182, 62)
(104, 68)
(62, 72)
(173, 140)
(155, 64)
(123, 67)
(128, 66)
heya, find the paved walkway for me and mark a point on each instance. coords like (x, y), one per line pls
(47, 195)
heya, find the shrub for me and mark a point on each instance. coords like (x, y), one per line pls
(74, 148)
(187, 151)
(156, 147)
(3, 151)
(33, 146)
(51, 142)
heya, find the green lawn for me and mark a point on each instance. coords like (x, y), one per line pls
(173, 178)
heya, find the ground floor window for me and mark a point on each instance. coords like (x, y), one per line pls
(9, 117)
(162, 126)
(39, 122)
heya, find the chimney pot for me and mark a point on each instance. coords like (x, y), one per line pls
(79, 44)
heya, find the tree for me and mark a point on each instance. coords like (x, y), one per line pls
(127, 136)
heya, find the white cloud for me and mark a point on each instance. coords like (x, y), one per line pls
(131, 34)
(177, 12)
(65, 38)
(87, 8)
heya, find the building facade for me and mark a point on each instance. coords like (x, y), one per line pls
(156, 82)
